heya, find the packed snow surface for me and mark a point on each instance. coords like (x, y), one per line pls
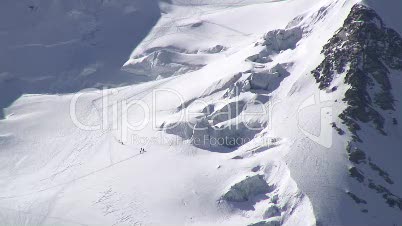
(70, 159)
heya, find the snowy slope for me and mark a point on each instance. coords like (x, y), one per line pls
(74, 159)
(49, 46)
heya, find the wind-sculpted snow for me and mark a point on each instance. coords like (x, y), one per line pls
(223, 121)
(222, 84)
(279, 40)
(245, 189)
(267, 223)
(275, 42)
(165, 63)
(268, 80)
(228, 127)
(275, 203)
(204, 134)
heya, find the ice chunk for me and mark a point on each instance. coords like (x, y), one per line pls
(244, 190)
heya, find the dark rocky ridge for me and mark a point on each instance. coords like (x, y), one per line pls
(365, 50)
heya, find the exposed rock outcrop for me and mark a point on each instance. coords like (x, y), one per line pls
(364, 50)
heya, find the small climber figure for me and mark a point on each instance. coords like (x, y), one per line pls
(142, 150)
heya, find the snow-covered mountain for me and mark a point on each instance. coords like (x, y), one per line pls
(257, 112)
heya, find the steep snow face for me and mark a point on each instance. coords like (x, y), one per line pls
(56, 37)
(64, 46)
(235, 128)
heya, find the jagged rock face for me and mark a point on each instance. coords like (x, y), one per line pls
(364, 48)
